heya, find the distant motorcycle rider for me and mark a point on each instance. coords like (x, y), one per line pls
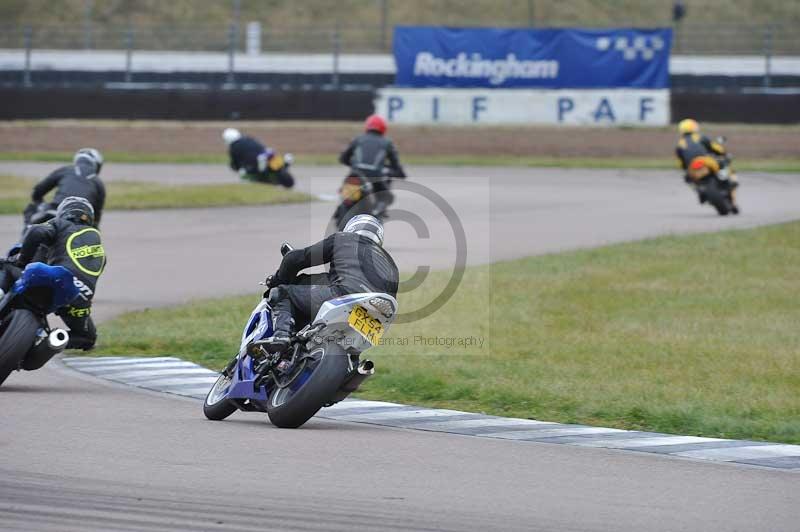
(370, 156)
(696, 150)
(358, 263)
(81, 179)
(251, 159)
(73, 242)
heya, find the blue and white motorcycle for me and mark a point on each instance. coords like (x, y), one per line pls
(322, 366)
(26, 339)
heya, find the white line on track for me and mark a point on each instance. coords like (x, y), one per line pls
(544, 433)
(649, 442)
(743, 453)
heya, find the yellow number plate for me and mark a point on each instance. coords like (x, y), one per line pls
(276, 163)
(351, 192)
(367, 326)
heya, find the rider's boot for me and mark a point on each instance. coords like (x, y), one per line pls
(84, 343)
(284, 321)
(380, 209)
(734, 204)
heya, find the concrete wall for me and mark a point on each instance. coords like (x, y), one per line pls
(183, 104)
(208, 104)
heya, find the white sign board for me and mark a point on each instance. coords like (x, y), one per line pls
(591, 107)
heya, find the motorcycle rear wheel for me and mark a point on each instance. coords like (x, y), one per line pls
(290, 408)
(723, 207)
(19, 332)
(718, 198)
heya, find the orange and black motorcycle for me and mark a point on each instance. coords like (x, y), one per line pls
(715, 181)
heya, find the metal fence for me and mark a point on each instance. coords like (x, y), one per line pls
(255, 39)
(689, 38)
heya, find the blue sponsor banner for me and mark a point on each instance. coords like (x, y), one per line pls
(522, 58)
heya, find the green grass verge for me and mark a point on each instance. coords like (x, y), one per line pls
(757, 165)
(123, 195)
(689, 335)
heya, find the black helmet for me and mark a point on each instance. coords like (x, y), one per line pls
(89, 154)
(77, 210)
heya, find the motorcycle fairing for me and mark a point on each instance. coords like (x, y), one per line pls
(259, 326)
(59, 279)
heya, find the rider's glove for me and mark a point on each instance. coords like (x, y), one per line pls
(273, 280)
(269, 283)
(30, 210)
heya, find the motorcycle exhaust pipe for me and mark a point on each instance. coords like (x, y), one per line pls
(47, 347)
(366, 368)
(356, 377)
(58, 339)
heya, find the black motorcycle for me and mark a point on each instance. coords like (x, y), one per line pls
(275, 171)
(359, 195)
(26, 339)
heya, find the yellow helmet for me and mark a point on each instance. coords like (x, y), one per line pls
(688, 125)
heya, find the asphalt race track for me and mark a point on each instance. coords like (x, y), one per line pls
(80, 453)
(173, 256)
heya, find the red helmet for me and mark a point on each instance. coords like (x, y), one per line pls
(375, 123)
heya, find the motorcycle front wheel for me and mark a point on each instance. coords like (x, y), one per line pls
(17, 334)
(313, 388)
(217, 406)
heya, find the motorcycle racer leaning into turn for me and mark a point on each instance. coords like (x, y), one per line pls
(250, 158)
(696, 150)
(370, 155)
(81, 179)
(72, 242)
(358, 263)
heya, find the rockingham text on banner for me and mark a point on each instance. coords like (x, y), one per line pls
(526, 58)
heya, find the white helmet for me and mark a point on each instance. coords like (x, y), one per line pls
(366, 225)
(89, 154)
(231, 135)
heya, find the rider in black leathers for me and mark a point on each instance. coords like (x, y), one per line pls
(358, 263)
(368, 155)
(250, 159)
(81, 179)
(72, 242)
